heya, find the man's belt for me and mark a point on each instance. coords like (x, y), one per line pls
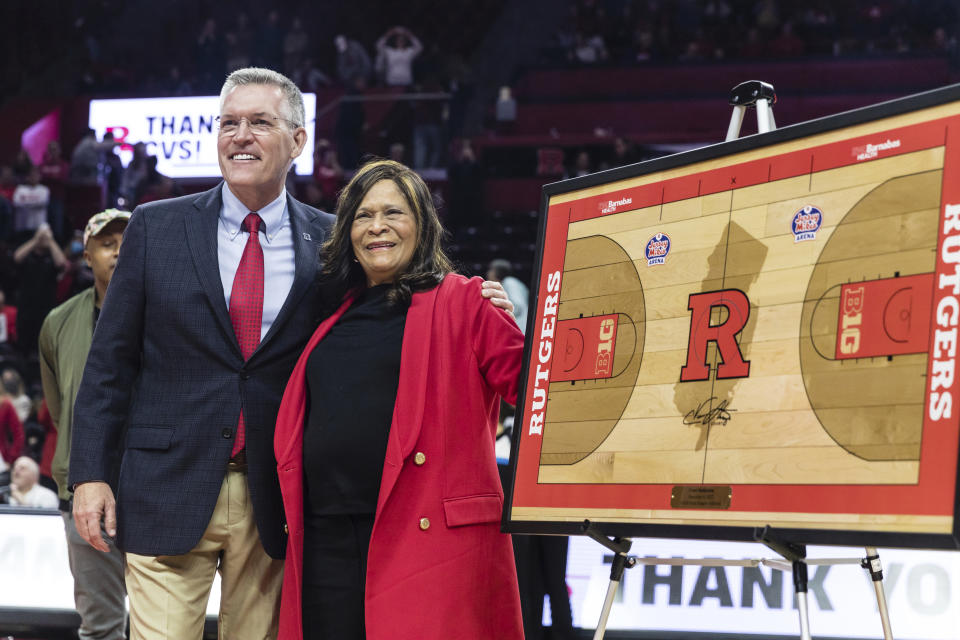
(238, 462)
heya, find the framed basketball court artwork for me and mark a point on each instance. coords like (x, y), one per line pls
(759, 332)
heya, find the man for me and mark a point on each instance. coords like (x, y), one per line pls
(83, 161)
(30, 201)
(213, 299)
(501, 271)
(39, 261)
(65, 337)
(352, 61)
(25, 490)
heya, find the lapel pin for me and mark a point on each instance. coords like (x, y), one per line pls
(306, 236)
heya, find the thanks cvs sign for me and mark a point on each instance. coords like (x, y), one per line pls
(180, 132)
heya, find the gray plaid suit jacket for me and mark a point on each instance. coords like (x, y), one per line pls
(165, 381)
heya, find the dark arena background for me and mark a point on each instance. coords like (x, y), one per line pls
(109, 104)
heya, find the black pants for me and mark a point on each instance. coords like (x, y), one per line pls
(541, 570)
(334, 576)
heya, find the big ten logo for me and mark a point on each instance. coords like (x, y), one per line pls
(120, 137)
(851, 318)
(608, 332)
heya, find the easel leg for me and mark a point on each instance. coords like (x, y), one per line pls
(800, 587)
(736, 120)
(872, 564)
(620, 562)
(605, 612)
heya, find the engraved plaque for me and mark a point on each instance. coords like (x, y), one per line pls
(700, 497)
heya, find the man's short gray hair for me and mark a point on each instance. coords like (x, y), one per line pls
(269, 77)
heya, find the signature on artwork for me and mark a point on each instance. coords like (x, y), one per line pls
(706, 415)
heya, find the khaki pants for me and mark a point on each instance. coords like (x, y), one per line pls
(168, 594)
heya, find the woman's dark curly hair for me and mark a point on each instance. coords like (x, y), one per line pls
(341, 273)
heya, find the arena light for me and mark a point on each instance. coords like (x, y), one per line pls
(180, 132)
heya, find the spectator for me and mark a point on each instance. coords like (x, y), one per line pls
(588, 50)
(176, 84)
(295, 46)
(54, 172)
(502, 271)
(582, 165)
(787, 45)
(133, 178)
(25, 488)
(243, 29)
(396, 51)
(54, 168)
(209, 54)
(112, 167)
(77, 275)
(270, 42)
(506, 107)
(312, 195)
(12, 383)
(624, 153)
(30, 202)
(352, 61)
(753, 46)
(64, 343)
(155, 185)
(86, 156)
(11, 431)
(33, 437)
(237, 56)
(8, 326)
(6, 222)
(328, 174)
(767, 14)
(49, 445)
(397, 151)
(466, 188)
(22, 165)
(8, 182)
(428, 117)
(309, 77)
(239, 43)
(351, 123)
(644, 43)
(40, 260)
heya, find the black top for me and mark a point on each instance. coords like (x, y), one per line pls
(352, 378)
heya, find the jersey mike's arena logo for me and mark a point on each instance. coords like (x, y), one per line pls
(657, 249)
(806, 223)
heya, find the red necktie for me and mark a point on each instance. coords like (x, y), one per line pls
(246, 302)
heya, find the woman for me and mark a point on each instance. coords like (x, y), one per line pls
(396, 51)
(385, 436)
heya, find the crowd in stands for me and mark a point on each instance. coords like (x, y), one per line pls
(632, 31)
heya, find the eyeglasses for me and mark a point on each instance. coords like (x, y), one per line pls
(261, 125)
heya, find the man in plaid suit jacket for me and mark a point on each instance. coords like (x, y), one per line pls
(166, 380)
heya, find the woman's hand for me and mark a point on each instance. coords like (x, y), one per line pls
(493, 291)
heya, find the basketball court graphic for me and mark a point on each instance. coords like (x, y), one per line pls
(778, 323)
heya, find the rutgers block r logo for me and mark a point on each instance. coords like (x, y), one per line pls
(724, 334)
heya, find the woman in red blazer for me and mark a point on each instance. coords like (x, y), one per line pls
(385, 436)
